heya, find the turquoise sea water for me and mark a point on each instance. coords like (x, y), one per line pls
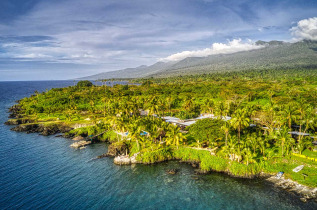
(38, 172)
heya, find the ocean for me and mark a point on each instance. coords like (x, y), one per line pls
(39, 172)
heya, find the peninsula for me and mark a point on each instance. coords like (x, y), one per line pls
(247, 123)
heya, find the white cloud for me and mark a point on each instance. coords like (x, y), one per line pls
(305, 29)
(236, 45)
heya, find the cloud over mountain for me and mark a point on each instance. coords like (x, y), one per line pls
(305, 29)
(236, 45)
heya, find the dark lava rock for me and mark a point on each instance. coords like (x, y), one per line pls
(12, 122)
(29, 128)
(45, 130)
(195, 165)
(102, 156)
(172, 171)
(116, 149)
(18, 121)
(15, 109)
(199, 172)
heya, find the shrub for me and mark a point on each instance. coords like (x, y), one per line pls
(84, 83)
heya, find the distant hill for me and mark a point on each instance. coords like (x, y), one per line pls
(141, 71)
(276, 55)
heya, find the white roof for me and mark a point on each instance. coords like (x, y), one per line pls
(170, 118)
(299, 133)
(188, 123)
(204, 117)
(226, 118)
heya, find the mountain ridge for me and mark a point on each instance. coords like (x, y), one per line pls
(275, 55)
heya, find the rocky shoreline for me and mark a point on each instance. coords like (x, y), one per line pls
(119, 152)
(125, 159)
(305, 193)
(43, 129)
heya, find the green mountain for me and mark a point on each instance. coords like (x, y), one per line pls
(275, 55)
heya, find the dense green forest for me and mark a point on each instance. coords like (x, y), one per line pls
(254, 115)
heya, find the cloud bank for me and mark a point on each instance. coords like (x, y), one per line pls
(100, 35)
(305, 29)
(236, 45)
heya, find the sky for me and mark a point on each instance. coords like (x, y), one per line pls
(66, 39)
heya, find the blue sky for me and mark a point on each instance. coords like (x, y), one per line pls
(65, 39)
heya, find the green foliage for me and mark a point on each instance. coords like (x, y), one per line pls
(309, 153)
(157, 155)
(184, 115)
(109, 136)
(207, 130)
(84, 83)
(239, 169)
(147, 83)
(209, 162)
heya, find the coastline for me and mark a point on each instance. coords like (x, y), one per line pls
(51, 128)
(304, 193)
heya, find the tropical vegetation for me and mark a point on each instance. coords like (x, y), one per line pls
(258, 120)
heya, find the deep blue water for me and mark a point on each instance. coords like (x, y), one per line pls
(44, 172)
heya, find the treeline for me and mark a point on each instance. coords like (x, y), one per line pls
(264, 107)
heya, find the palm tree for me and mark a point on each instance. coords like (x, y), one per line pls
(309, 118)
(283, 137)
(232, 148)
(221, 109)
(270, 94)
(92, 105)
(248, 155)
(121, 124)
(289, 144)
(162, 106)
(239, 121)
(306, 118)
(262, 144)
(104, 101)
(169, 101)
(301, 110)
(252, 141)
(250, 110)
(302, 144)
(134, 132)
(208, 106)
(226, 128)
(113, 121)
(188, 104)
(174, 137)
(153, 106)
(288, 114)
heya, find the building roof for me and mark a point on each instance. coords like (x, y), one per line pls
(298, 133)
(188, 123)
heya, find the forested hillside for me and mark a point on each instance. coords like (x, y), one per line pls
(275, 56)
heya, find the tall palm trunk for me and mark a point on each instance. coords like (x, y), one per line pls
(239, 131)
